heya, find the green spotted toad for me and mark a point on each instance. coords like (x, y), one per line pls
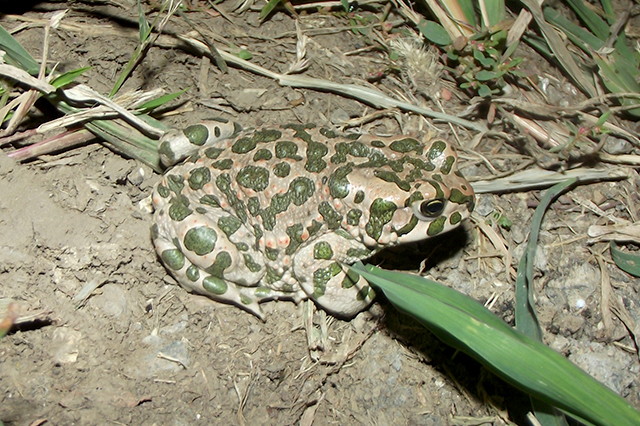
(277, 213)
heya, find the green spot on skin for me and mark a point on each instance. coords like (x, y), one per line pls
(416, 196)
(165, 150)
(330, 134)
(339, 183)
(322, 250)
(287, 149)
(201, 240)
(210, 200)
(223, 261)
(154, 232)
(438, 188)
(245, 300)
(279, 203)
(344, 234)
(253, 205)
(179, 208)
(267, 135)
(314, 227)
(197, 134)
(378, 144)
(447, 165)
(223, 182)
(193, 273)
(201, 210)
(262, 154)
(300, 130)
(376, 160)
(358, 253)
(393, 178)
(213, 152)
(354, 149)
(176, 242)
(353, 217)
(322, 276)
(409, 226)
(436, 226)
(350, 279)
(459, 198)
(229, 225)
(173, 258)
(359, 197)
(288, 288)
(257, 231)
(406, 145)
(419, 164)
(251, 264)
(224, 164)
(381, 212)
(243, 145)
(241, 246)
(215, 285)
(331, 217)
(315, 152)
(262, 292)
(272, 275)
(364, 293)
(256, 178)
(341, 153)
(455, 218)
(175, 183)
(282, 170)
(358, 149)
(163, 191)
(436, 150)
(295, 234)
(199, 177)
(271, 253)
(300, 190)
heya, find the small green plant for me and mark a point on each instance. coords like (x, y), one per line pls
(474, 37)
(480, 65)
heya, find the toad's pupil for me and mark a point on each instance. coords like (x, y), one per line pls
(432, 208)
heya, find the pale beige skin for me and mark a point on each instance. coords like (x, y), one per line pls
(278, 213)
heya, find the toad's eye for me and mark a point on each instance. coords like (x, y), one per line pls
(432, 208)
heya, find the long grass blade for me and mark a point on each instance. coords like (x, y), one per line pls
(525, 314)
(16, 55)
(525, 363)
(526, 319)
(590, 18)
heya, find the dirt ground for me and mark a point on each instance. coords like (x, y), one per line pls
(142, 351)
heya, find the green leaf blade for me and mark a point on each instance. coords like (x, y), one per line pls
(68, 77)
(628, 262)
(434, 32)
(155, 103)
(511, 355)
(268, 8)
(16, 55)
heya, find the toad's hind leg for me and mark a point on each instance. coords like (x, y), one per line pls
(321, 269)
(210, 257)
